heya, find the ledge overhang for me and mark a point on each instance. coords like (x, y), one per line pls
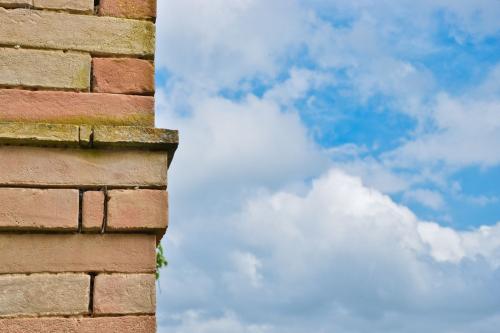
(88, 137)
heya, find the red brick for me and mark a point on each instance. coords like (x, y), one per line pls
(126, 324)
(124, 294)
(38, 210)
(36, 166)
(137, 210)
(93, 211)
(75, 108)
(123, 76)
(38, 253)
(138, 9)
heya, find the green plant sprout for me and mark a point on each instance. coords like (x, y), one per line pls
(161, 261)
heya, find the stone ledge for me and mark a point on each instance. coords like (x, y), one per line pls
(100, 137)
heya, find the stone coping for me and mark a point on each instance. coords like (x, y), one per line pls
(86, 136)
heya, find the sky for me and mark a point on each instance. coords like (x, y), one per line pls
(338, 170)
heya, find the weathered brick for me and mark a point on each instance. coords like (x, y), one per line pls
(35, 253)
(44, 294)
(122, 76)
(44, 69)
(124, 294)
(93, 211)
(77, 6)
(137, 210)
(16, 3)
(34, 166)
(39, 134)
(75, 108)
(135, 137)
(138, 9)
(125, 324)
(98, 35)
(38, 210)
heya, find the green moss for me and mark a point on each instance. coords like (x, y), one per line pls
(132, 120)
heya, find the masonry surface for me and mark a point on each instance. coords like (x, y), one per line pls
(83, 176)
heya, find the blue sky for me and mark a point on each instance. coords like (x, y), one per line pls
(339, 168)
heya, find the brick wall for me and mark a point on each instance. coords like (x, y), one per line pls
(83, 171)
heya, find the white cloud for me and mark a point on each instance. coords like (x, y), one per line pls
(246, 271)
(298, 85)
(221, 42)
(368, 55)
(466, 19)
(298, 262)
(377, 175)
(428, 198)
(467, 132)
(228, 145)
(194, 322)
(445, 243)
(471, 20)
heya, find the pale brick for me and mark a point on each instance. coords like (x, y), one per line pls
(44, 294)
(44, 69)
(123, 76)
(33, 166)
(38, 210)
(35, 253)
(138, 9)
(124, 294)
(78, 6)
(125, 324)
(93, 211)
(39, 134)
(98, 35)
(16, 3)
(75, 108)
(137, 210)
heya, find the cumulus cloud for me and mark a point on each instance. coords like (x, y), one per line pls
(341, 250)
